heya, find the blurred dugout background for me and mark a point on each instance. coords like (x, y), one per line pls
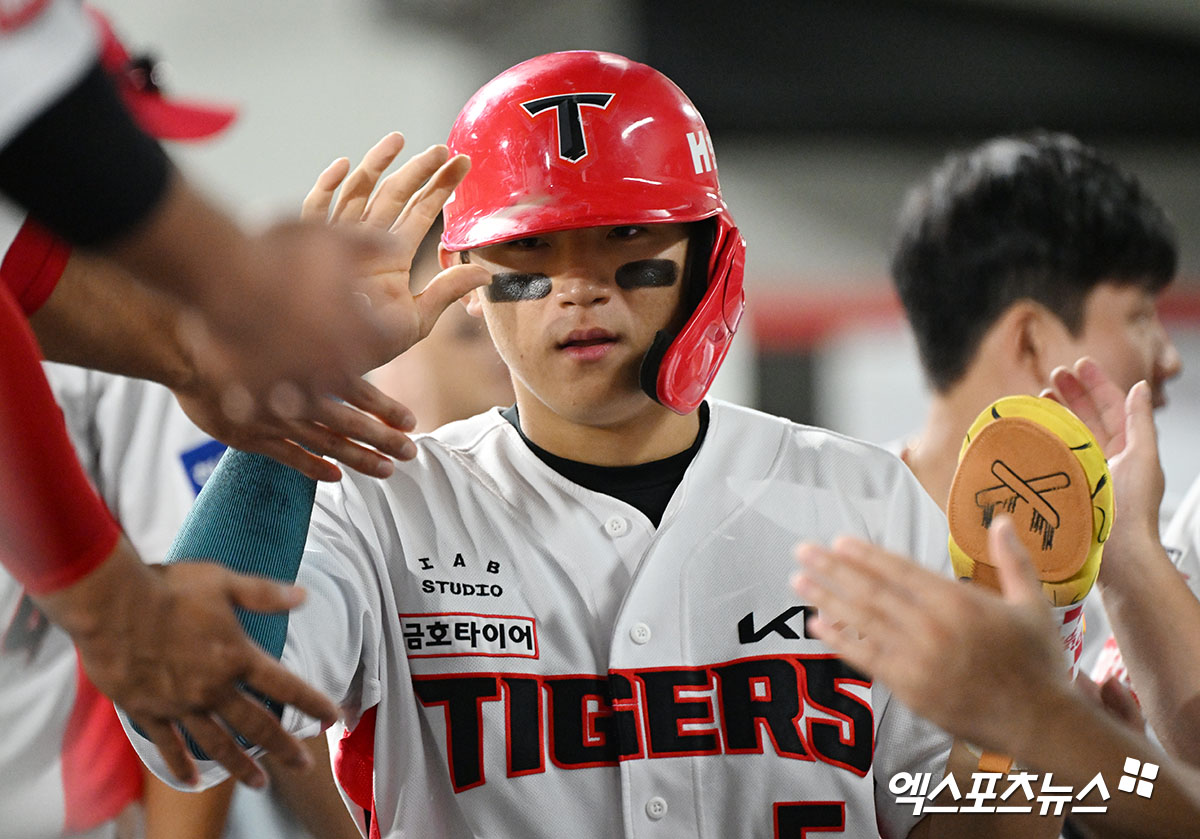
(822, 113)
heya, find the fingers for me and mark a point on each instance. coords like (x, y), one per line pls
(1093, 397)
(1018, 581)
(424, 206)
(353, 425)
(444, 289)
(322, 441)
(1140, 432)
(258, 594)
(316, 204)
(385, 206)
(218, 743)
(171, 746)
(270, 678)
(263, 673)
(1108, 398)
(290, 454)
(845, 586)
(370, 399)
(246, 715)
(357, 188)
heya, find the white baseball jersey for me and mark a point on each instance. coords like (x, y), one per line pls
(521, 656)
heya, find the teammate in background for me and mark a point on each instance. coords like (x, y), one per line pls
(1016, 257)
(267, 383)
(70, 769)
(569, 615)
(1002, 684)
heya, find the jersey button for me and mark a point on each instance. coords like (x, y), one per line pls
(656, 808)
(640, 633)
(616, 526)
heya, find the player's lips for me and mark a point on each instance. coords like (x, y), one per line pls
(588, 344)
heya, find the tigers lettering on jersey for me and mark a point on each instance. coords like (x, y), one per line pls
(800, 703)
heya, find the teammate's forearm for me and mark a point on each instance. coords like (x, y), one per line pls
(56, 530)
(100, 317)
(252, 517)
(189, 248)
(1156, 622)
(1075, 740)
(173, 814)
(312, 795)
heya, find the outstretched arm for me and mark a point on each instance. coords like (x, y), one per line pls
(253, 513)
(99, 316)
(1001, 682)
(1155, 617)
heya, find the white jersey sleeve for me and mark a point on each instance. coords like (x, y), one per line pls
(518, 655)
(145, 457)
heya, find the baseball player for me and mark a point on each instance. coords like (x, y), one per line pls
(67, 766)
(571, 616)
(1012, 258)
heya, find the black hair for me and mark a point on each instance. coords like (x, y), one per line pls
(1040, 217)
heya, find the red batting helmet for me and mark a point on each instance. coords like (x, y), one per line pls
(592, 139)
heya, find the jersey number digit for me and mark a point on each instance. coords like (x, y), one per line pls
(796, 819)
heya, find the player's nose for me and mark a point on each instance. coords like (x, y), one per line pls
(582, 285)
(1168, 362)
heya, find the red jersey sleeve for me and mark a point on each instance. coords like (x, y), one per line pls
(54, 529)
(33, 264)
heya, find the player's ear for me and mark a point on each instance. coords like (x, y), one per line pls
(447, 259)
(473, 301)
(1033, 338)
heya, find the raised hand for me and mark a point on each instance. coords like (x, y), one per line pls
(900, 622)
(405, 204)
(164, 644)
(1124, 426)
(303, 416)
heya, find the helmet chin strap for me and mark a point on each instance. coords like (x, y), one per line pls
(652, 361)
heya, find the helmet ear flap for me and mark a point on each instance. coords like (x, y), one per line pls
(701, 238)
(678, 369)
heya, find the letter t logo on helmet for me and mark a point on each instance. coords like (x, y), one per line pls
(592, 139)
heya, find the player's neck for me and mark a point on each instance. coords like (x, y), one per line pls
(933, 454)
(649, 434)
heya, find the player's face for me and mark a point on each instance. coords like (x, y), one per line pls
(573, 313)
(1122, 331)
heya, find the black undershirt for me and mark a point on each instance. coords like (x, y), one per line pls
(646, 486)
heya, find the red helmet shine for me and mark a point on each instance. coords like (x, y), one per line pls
(592, 139)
